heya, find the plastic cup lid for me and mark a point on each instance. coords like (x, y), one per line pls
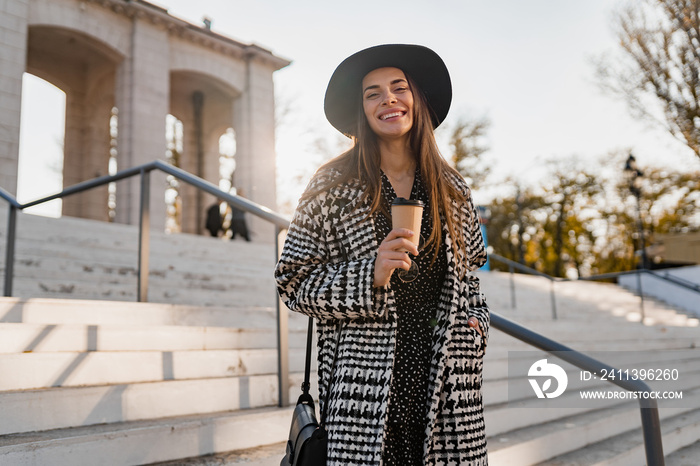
(410, 202)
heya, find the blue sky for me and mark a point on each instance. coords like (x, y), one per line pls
(526, 65)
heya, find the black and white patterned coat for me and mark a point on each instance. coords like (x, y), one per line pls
(326, 270)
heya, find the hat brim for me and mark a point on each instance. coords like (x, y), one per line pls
(425, 67)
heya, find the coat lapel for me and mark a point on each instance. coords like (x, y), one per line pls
(448, 307)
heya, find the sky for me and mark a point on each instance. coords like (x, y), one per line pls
(524, 65)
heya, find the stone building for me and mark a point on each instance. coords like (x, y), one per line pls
(134, 60)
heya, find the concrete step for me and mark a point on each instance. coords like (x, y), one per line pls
(266, 455)
(67, 369)
(576, 300)
(144, 442)
(522, 412)
(48, 311)
(550, 439)
(65, 407)
(624, 449)
(88, 234)
(77, 258)
(38, 258)
(678, 432)
(625, 339)
(46, 338)
(687, 456)
(95, 312)
(193, 290)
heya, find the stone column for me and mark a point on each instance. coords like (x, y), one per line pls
(142, 96)
(254, 123)
(86, 147)
(13, 53)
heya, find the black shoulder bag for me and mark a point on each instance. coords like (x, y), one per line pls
(308, 441)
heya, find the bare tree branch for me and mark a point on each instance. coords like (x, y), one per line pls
(659, 76)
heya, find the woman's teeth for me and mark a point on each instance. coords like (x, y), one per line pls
(390, 115)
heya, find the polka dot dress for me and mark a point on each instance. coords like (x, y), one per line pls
(417, 303)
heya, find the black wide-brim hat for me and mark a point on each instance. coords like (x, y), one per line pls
(425, 67)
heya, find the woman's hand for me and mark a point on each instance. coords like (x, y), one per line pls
(473, 322)
(392, 255)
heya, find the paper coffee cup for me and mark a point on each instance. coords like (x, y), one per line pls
(407, 213)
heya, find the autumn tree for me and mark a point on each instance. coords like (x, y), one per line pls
(658, 74)
(572, 191)
(587, 220)
(513, 224)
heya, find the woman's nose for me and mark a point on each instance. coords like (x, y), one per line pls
(389, 98)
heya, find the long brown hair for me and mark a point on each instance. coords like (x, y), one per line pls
(362, 162)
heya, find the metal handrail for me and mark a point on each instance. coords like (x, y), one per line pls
(649, 409)
(281, 223)
(529, 270)
(143, 171)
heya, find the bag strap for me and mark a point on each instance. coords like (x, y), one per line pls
(306, 384)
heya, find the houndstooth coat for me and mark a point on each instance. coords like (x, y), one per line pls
(326, 270)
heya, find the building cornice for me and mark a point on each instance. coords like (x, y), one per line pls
(143, 10)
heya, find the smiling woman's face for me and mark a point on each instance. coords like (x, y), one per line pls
(388, 102)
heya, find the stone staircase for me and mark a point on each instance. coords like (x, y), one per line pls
(88, 376)
(74, 258)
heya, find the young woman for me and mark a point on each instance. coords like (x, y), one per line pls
(406, 386)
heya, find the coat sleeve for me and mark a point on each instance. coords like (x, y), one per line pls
(314, 278)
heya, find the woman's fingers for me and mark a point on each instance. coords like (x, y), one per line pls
(392, 255)
(399, 239)
(473, 322)
(387, 261)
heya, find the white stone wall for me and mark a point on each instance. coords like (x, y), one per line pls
(13, 29)
(668, 292)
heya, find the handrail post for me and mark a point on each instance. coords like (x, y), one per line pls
(10, 249)
(641, 295)
(554, 302)
(512, 287)
(651, 430)
(144, 235)
(282, 340)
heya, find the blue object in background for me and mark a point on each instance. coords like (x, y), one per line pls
(484, 217)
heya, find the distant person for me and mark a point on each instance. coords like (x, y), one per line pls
(406, 386)
(235, 222)
(214, 222)
(238, 224)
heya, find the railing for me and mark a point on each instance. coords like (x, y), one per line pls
(679, 282)
(515, 265)
(649, 409)
(143, 171)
